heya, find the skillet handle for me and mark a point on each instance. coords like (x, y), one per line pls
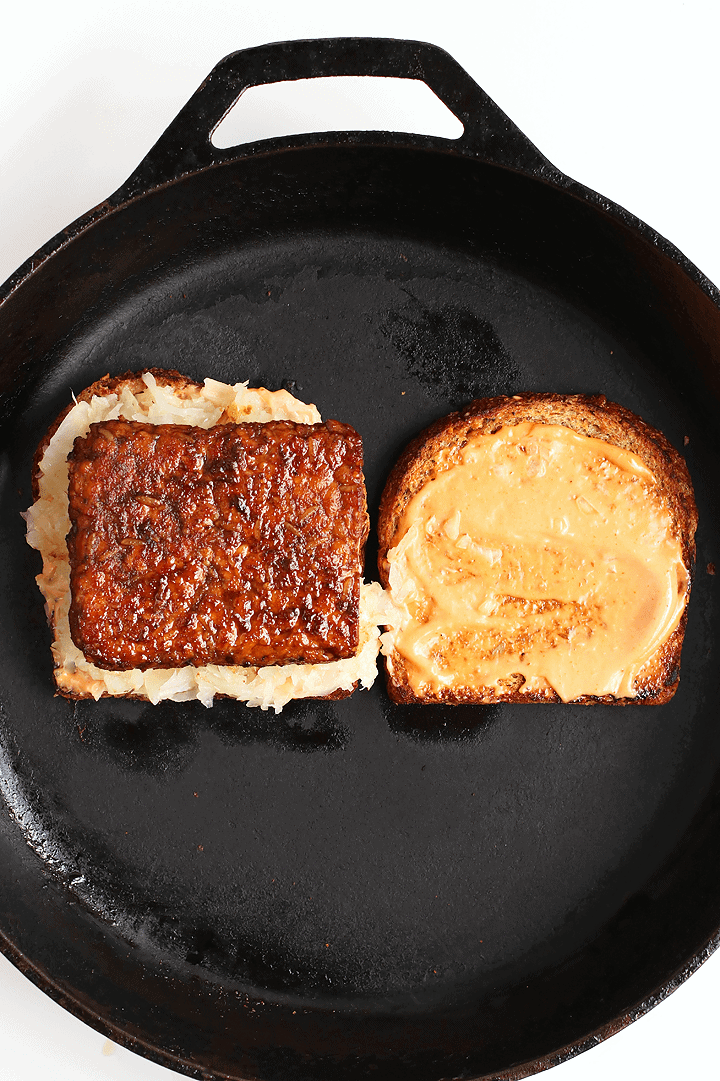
(186, 146)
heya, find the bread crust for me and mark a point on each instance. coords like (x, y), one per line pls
(107, 384)
(101, 388)
(589, 415)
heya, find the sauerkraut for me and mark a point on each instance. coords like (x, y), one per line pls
(48, 525)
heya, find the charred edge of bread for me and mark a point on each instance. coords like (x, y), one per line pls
(101, 388)
(590, 415)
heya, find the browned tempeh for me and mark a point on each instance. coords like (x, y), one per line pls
(240, 544)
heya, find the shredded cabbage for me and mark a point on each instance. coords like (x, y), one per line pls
(48, 524)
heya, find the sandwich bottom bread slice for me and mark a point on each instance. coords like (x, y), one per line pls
(171, 501)
(539, 548)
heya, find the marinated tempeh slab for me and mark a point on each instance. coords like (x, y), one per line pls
(240, 544)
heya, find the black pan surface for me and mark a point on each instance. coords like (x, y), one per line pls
(356, 889)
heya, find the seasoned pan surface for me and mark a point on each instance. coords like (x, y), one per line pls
(355, 888)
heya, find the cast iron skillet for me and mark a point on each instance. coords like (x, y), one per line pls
(355, 889)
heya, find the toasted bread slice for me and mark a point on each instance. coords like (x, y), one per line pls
(515, 586)
(164, 398)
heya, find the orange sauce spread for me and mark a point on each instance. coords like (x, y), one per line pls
(540, 552)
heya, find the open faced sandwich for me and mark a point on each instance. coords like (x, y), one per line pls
(202, 540)
(539, 548)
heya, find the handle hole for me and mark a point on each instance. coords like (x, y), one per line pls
(338, 103)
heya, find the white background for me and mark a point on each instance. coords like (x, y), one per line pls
(620, 94)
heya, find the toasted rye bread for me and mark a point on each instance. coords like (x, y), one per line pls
(591, 416)
(103, 387)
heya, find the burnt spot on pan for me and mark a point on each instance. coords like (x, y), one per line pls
(136, 736)
(204, 946)
(304, 725)
(232, 955)
(274, 970)
(439, 723)
(158, 739)
(453, 352)
(314, 726)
